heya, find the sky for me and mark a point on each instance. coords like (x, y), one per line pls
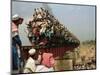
(79, 19)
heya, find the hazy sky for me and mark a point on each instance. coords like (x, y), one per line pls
(80, 20)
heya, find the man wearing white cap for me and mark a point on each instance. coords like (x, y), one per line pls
(16, 42)
(30, 65)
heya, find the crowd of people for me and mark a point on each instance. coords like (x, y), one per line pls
(86, 65)
(86, 60)
(42, 30)
(40, 62)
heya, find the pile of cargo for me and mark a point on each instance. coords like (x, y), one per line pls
(44, 30)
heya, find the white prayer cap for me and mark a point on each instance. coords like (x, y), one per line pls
(15, 17)
(32, 51)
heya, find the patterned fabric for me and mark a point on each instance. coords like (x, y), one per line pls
(50, 28)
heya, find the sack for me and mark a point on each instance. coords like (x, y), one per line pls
(48, 60)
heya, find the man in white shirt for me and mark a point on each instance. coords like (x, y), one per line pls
(30, 65)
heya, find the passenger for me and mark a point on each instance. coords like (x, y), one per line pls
(47, 63)
(33, 60)
(16, 42)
